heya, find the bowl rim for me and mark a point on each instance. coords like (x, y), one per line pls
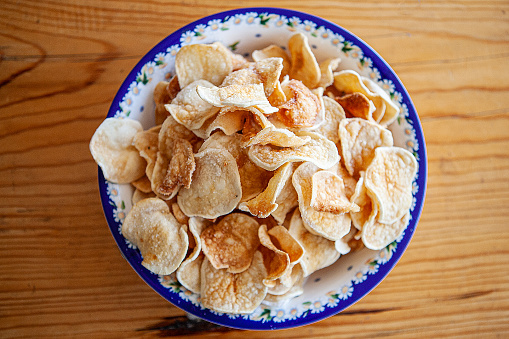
(361, 290)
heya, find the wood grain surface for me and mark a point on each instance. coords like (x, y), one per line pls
(61, 63)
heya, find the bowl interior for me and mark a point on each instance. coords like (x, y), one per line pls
(329, 290)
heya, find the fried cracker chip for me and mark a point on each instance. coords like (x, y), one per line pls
(318, 150)
(229, 120)
(179, 215)
(328, 194)
(143, 184)
(318, 251)
(203, 62)
(264, 203)
(276, 261)
(146, 142)
(289, 286)
(359, 139)
(238, 293)
(304, 65)
(215, 187)
(328, 225)
(275, 136)
(284, 241)
(189, 272)
(377, 235)
(244, 96)
(286, 200)
(231, 242)
(391, 110)
(368, 210)
(112, 149)
(342, 245)
(357, 105)
(334, 113)
(327, 69)
(139, 195)
(189, 109)
(274, 51)
(180, 169)
(301, 108)
(162, 241)
(389, 178)
(164, 93)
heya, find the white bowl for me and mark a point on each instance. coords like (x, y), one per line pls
(329, 290)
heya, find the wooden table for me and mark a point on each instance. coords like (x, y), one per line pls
(61, 273)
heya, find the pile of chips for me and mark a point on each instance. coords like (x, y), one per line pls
(258, 173)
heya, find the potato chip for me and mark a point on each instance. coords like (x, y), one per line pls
(237, 59)
(327, 68)
(162, 241)
(203, 62)
(276, 261)
(227, 120)
(112, 149)
(301, 108)
(318, 251)
(244, 96)
(391, 110)
(304, 65)
(139, 195)
(368, 210)
(328, 194)
(215, 187)
(276, 136)
(359, 139)
(189, 272)
(143, 184)
(189, 109)
(286, 200)
(328, 225)
(289, 286)
(164, 93)
(238, 293)
(278, 96)
(179, 215)
(334, 113)
(284, 241)
(274, 51)
(377, 235)
(146, 142)
(389, 178)
(357, 105)
(318, 150)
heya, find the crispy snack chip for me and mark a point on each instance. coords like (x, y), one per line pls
(276, 261)
(327, 68)
(359, 139)
(229, 120)
(238, 293)
(389, 178)
(304, 65)
(286, 200)
(319, 150)
(357, 105)
(161, 239)
(146, 142)
(203, 62)
(143, 184)
(377, 235)
(180, 169)
(276, 136)
(215, 188)
(164, 93)
(333, 114)
(328, 225)
(302, 106)
(274, 51)
(113, 150)
(368, 210)
(139, 195)
(231, 242)
(328, 194)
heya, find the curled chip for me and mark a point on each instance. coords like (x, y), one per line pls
(162, 241)
(357, 105)
(359, 139)
(275, 136)
(284, 241)
(113, 150)
(264, 203)
(139, 195)
(244, 96)
(289, 286)
(368, 210)
(164, 93)
(302, 106)
(286, 200)
(180, 169)
(189, 109)
(333, 114)
(319, 150)
(231, 242)
(143, 184)
(377, 235)
(389, 179)
(215, 188)
(328, 225)
(276, 261)
(146, 142)
(227, 292)
(229, 120)
(203, 62)
(328, 194)
(274, 51)
(188, 274)
(304, 65)
(318, 251)
(327, 69)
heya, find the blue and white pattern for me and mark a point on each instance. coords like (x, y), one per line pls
(327, 291)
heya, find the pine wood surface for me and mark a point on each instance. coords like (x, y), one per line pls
(61, 63)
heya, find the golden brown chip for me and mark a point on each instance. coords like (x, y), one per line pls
(377, 235)
(304, 65)
(328, 225)
(301, 108)
(286, 200)
(327, 68)
(143, 184)
(318, 150)
(287, 287)
(112, 149)
(391, 110)
(389, 178)
(238, 293)
(274, 51)
(333, 114)
(359, 139)
(215, 187)
(139, 195)
(264, 203)
(164, 93)
(231, 242)
(203, 62)
(357, 105)
(328, 194)
(368, 209)
(276, 261)
(284, 241)
(318, 251)
(229, 120)
(179, 215)
(275, 136)
(180, 168)
(162, 241)
(146, 142)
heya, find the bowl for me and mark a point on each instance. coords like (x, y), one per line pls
(353, 276)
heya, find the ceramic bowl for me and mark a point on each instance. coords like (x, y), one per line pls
(353, 276)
